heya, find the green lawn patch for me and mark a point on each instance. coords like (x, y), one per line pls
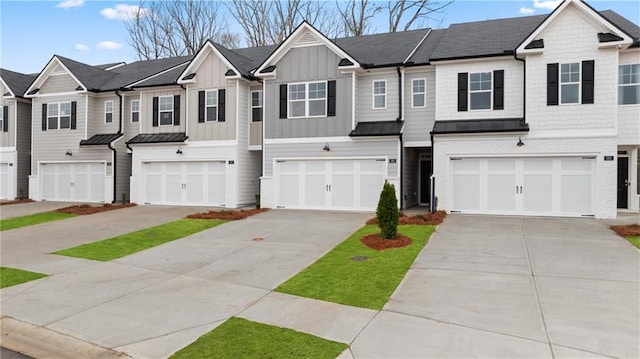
(241, 338)
(635, 241)
(133, 242)
(17, 222)
(12, 276)
(337, 278)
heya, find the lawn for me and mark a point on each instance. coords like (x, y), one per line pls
(17, 222)
(12, 276)
(369, 283)
(241, 338)
(635, 241)
(133, 242)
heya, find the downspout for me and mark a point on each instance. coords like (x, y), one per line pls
(399, 119)
(524, 86)
(114, 160)
(432, 199)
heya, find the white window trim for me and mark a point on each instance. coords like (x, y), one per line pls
(2, 105)
(138, 112)
(108, 112)
(626, 85)
(262, 104)
(206, 106)
(579, 83)
(58, 116)
(424, 94)
(161, 111)
(306, 99)
(373, 95)
(490, 91)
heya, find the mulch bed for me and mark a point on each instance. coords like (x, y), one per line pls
(228, 214)
(627, 230)
(17, 201)
(427, 218)
(83, 209)
(375, 241)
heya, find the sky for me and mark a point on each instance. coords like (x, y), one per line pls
(93, 32)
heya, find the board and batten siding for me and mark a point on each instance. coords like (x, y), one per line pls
(365, 111)
(23, 146)
(304, 64)
(628, 115)
(62, 83)
(97, 124)
(130, 129)
(418, 122)
(146, 109)
(210, 76)
(249, 164)
(7, 139)
(356, 148)
(255, 128)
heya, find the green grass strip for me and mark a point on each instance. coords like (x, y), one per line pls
(30, 220)
(241, 338)
(12, 276)
(368, 284)
(635, 241)
(133, 242)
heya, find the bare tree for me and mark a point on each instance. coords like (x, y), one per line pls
(174, 28)
(410, 11)
(357, 16)
(270, 22)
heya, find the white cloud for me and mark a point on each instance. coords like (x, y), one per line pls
(527, 10)
(70, 3)
(81, 47)
(108, 45)
(121, 12)
(546, 4)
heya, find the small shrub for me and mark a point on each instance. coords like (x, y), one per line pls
(387, 212)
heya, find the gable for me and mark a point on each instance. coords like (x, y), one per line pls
(59, 83)
(4, 90)
(54, 78)
(307, 38)
(207, 56)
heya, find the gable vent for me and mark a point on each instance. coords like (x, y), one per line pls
(58, 70)
(307, 39)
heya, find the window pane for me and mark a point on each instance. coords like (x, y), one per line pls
(297, 92)
(108, 118)
(52, 123)
(317, 90)
(52, 109)
(569, 93)
(166, 118)
(65, 109)
(379, 87)
(418, 85)
(317, 107)
(296, 109)
(135, 105)
(418, 100)
(65, 122)
(212, 113)
(256, 98)
(481, 101)
(135, 117)
(212, 98)
(108, 106)
(629, 95)
(166, 103)
(256, 114)
(378, 101)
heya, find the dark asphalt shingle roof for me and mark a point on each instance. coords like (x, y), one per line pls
(90, 76)
(103, 139)
(246, 59)
(480, 126)
(106, 66)
(621, 22)
(18, 83)
(423, 53)
(379, 128)
(159, 138)
(136, 71)
(382, 49)
(168, 78)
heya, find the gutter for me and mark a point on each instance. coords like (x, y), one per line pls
(399, 119)
(524, 86)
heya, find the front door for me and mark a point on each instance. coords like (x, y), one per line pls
(425, 181)
(623, 182)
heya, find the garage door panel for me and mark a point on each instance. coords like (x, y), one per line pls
(576, 194)
(153, 188)
(538, 193)
(195, 187)
(342, 193)
(315, 193)
(77, 181)
(500, 192)
(4, 181)
(370, 188)
(466, 189)
(173, 187)
(289, 190)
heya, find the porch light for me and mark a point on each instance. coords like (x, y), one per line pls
(179, 151)
(520, 143)
(326, 147)
(68, 153)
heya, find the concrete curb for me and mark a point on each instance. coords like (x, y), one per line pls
(40, 342)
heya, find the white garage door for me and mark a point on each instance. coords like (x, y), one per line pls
(330, 184)
(5, 182)
(185, 183)
(530, 186)
(73, 182)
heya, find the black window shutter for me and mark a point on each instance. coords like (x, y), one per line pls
(463, 81)
(5, 118)
(221, 105)
(331, 98)
(498, 90)
(155, 112)
(552, 84)
(201, 104)
(588, 68)
(176, 110)
(73, 115)
(44, 117)
(283, 101)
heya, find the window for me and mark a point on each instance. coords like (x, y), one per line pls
(59, 115)
(1, 116)
(418, 93)
(307, 99)
(570, 83)
(256, 106)
(480, 91)
(108, 111)
(211, 105)
(629, 84)
(166, 110)
(135, 110)
(380, 94)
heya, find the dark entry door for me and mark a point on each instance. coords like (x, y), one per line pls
(623, 182)
(425, 183)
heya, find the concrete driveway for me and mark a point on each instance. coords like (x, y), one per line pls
(513, 287)
(25, 209)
